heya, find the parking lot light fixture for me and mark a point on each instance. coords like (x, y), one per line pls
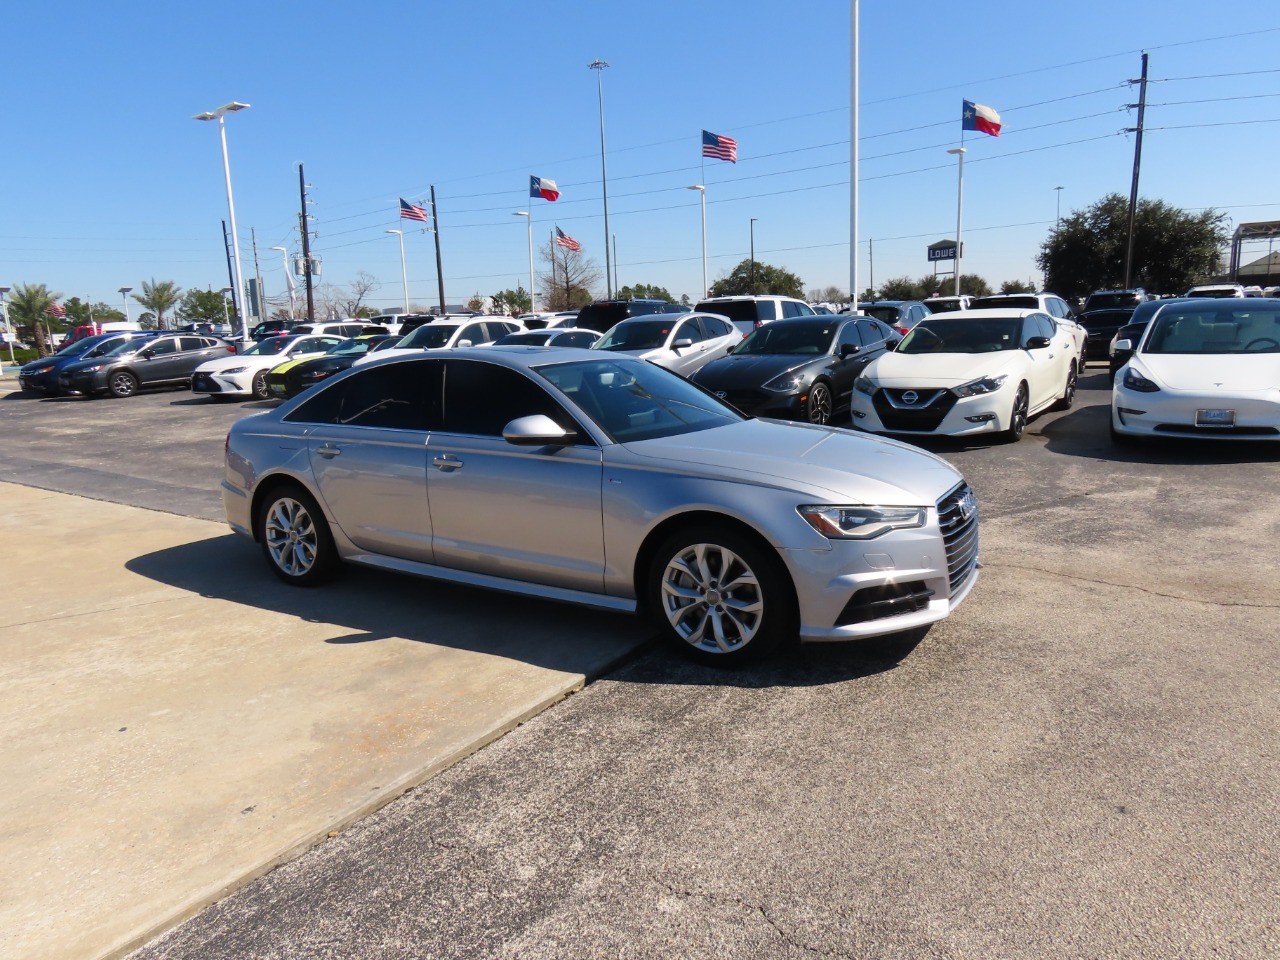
(220, 115)
(528, 216)
(404, 273)
(702, 192)
(288, 279)
(124, 295)
(225, 316)
(599, 67)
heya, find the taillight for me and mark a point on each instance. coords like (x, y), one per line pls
(901, 330)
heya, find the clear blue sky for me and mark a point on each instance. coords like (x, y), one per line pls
(106, 181)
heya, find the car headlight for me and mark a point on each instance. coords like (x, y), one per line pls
(94, 369)
(788, 382)
(39, 370)
(865, 385)
(975, 388)
(860, 523)
(230, 370)
(1135, 381)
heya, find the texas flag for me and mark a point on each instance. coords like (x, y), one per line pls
(980, 118)
(544, 188)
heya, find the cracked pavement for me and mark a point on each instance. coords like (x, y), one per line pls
(1081, 762)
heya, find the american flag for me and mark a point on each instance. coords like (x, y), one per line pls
(56, 310)
(721, 148)
(567, 241)
(410, 212)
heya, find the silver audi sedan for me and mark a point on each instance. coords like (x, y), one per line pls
(607, 481)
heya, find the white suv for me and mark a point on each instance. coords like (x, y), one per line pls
(749, 312)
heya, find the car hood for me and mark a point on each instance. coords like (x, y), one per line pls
(1236, 373)
(745, 371)
(939, 369)
(81, 364)
(838, 466)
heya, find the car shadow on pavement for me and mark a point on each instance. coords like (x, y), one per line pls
(377, 606)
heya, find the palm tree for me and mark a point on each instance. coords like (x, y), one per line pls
(158, 296)
(28, 306)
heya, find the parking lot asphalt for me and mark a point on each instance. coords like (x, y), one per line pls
(1081, 761)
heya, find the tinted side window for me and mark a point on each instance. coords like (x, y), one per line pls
(575, 340)
(163, 345)
(851, 334)
(767, 310)
(193, 343)
(716, 327)
(690, 329)
(872, 332)
(789, 309)
(398, 396)
(482, 398)
(804, 310)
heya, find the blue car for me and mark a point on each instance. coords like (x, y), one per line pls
(41, 376)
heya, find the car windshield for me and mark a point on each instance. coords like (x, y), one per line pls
(733, 309)
(1244, 329)
(962, 336)
(944, 304)
(789, 337)
(1028, 302)
(887, 315)
(1103, 301)
(631, 400)
(429, 336)
(77, 347)
(268, 348)
(534, 337)
(350, 348)
(637, 335)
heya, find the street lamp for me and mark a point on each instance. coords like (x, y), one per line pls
(959, 152)
(220, 115)
(404, 273)
(1058, 218)
(225, 316)
(598, 66)
(124, 295)
(288, 278)
(753, 253)
(8, 330)
(702, 192)
(528, 215)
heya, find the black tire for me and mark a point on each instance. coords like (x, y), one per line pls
(295, 537)
(259, 387)
(688, 599)
(1017, 416)
(820, 405)
(1068, 398)
(121, 384)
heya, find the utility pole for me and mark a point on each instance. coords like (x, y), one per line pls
(1137, 165)
(615, 262)
(226, 246)
(306, 246)
(257, 273)
(435, 228)
(871, 262)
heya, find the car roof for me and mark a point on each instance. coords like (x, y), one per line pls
(986, 313)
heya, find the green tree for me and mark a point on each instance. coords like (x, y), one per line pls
(158, 296)
(203, 306)
(1172, 248)
(29, 305)
(1017, 286)
(645, 291)
(768, 279)
(827, 295)
(514, 302)
(78, 312)
(903, 288)
(103, 313)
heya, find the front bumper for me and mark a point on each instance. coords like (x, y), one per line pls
(46, 383)
(940, 412)
(765, 403)
(81, 382)
(1174, 413)
(239, 383)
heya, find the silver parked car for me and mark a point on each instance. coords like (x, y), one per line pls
(608, 481)
(684, 343)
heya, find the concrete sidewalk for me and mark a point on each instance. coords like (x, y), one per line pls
(174, 722)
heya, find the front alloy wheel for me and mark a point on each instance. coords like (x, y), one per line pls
(1068, 398)
(818, 407)
(295, 538)
(259, 387)
(1018, 416)
(122, 384)
(720, 597)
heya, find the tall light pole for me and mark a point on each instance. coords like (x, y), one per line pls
(598, 66)
(853, 156)
(959, 153)
(124, 295)
(404, 272)
(702, 193)
(1057, 220)
(8, 330)
(528, 216)
(220, 116)
(753, 253)
(225, 316)
(288, 278)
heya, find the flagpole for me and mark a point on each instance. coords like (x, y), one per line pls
(959, 153)
(853, 156)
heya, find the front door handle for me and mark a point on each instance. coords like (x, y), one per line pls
(446, 462)
(328, 451)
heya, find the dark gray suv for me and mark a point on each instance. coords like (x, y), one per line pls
(162, 361)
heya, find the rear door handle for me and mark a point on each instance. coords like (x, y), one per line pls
(446, 462)
(329, 451)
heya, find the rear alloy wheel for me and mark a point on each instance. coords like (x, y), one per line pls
(1018, 416)
(259, 387)
(720, 597)
(122, 384)
(818, 406)
(295, 537)
(1068, 398)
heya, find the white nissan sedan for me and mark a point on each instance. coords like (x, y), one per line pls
(968, 373)
(1203, 368)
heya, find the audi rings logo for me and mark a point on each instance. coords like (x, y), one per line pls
(721, 394)
(910, 397)
(968, 504)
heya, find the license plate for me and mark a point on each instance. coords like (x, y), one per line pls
(1215, 418)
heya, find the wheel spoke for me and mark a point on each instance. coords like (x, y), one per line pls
(745, 579)
(700, 557)
(738, 605)
(684, 593)
(717, 630)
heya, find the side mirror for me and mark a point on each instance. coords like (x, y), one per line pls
(1037, 343)
(1124, 345)
(465, 343)
(537, 431)
(729, 351)
(146, 353)
(682, 343)
(849, 349)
